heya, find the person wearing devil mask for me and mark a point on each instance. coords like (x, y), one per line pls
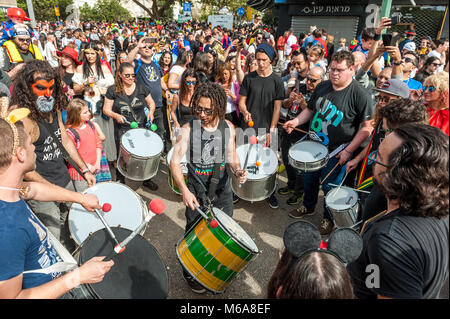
(38, 87)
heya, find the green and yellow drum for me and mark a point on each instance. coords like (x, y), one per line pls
(173, 185)
(214, 256)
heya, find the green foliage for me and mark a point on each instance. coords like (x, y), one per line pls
(105, 10)
(43, 9)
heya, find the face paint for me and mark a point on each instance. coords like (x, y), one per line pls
(45, 104)
(43, 88)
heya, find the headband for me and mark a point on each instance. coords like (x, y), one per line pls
(11, 119)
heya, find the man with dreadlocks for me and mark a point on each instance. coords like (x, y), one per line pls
(208, 141)
(38, 87)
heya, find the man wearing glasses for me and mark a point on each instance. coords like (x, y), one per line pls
(18, 50)
(340, 111)
(407, 244)
(409, 64)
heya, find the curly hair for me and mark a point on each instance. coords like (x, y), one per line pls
(23, 95)
(402, 111)
(418, 175)
(217, 96)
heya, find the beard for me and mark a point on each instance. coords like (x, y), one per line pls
(378, 182)
(45, 105)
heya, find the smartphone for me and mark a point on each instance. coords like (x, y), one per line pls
(395, 20)
(153, 40)
(387, 39)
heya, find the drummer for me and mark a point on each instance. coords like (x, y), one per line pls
(215, 136)
(340, 111)
(25, 240)
(126, 102)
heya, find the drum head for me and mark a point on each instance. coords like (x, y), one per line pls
(126, 211)
(141, 142)
(308, 152)
(266, 156)
(138, 272)
(183, 161)
(235, 230)
(341, 199)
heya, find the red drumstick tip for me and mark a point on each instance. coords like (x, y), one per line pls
(250, 123)
(157, 206)
(253, 140)
(214, 223)
(106, 207)
(258, 163)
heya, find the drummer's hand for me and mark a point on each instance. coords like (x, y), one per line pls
(289, 126)
(90, 178)
(351, 165)
(90, 202)
(247, 116)
(190, 200)
(241, 175)
(120, 119)
(343, 156)
(93, 270)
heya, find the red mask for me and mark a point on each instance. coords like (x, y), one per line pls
(43, 88)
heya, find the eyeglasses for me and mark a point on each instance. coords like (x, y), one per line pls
(384, 99)
(333, 70)
(372, 159)
(386, 130)
(199, 110)
(409, 60)
(148, 47)
(24, 39)
(191, 82)
(436, 64)
(308, 79)
(129, 76)
(429, 88)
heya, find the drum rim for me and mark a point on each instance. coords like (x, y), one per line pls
(349, 207)
(122, 146)
(233, 237)
(258, 199)
(304, 142)
(309, 164)
(272, 151)
(142, 203)
(157, 252)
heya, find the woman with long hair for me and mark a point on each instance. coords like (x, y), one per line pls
(184, 59)
(126, 102)
(181, 111)
(165, 62)
(430, 67)
(93, 79)
(436, 97)
(201, 66)
(225, 79)
(68, 63)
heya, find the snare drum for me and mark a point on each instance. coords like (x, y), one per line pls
(173, 185)
(308, 156)
(128, 210)
(261, 181)
(343, 205)
(214, 256)
(139, 154)
(138, 272)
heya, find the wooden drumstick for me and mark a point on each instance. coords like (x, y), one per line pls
(329, 173)
(295, 128)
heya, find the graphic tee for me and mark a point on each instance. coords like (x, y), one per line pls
(339, 114)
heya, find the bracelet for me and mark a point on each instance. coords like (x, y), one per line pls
(398, 63)
(85, 171)
(347, 151)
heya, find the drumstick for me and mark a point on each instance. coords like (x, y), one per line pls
(355, 189)
(329, 173)
(253, 141)
(295, 128)
(334, 194)
(156, 207)
(213, 223)
(106, 208)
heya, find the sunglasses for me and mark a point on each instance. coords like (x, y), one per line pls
(372, 159)
(129, 76)
(409, 60)
(429, 88)
(199, 110)
(436, 64)
(24, 39)
(191, 82)
(311, 80)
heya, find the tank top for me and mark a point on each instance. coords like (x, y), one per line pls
(49, 158)
(185, 114)
(203, 155)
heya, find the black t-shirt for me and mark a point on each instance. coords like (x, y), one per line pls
(411, 254)
(68, 79)
(131, 106)
(149, 74)
(261, 93)
(338, 114)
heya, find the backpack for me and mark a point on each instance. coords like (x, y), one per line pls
(77, 136)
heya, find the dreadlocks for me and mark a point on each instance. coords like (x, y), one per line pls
(217, 96)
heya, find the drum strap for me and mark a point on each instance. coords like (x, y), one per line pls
(216, 171)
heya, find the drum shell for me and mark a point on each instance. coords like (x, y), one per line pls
(343, 217)
(135, 167)
(308, 166)
(212, 256)
(253, 190)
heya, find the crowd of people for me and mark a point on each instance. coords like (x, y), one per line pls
(380, 108)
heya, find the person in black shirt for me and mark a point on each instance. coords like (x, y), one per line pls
(406, 246)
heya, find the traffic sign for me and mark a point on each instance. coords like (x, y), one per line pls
(240, 11)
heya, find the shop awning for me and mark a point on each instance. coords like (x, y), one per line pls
(260, 5)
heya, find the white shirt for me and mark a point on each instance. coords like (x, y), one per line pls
(49, 48)
(292, 39)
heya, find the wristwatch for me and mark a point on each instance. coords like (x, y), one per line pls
(397, 63)
(85, 171)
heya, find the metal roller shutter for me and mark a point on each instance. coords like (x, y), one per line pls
(340, 27)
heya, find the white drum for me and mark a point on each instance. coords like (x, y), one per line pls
(308, 156)
(139, 154)
(173, 185)
(261, 181)
(128, 210)
(343, 205)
